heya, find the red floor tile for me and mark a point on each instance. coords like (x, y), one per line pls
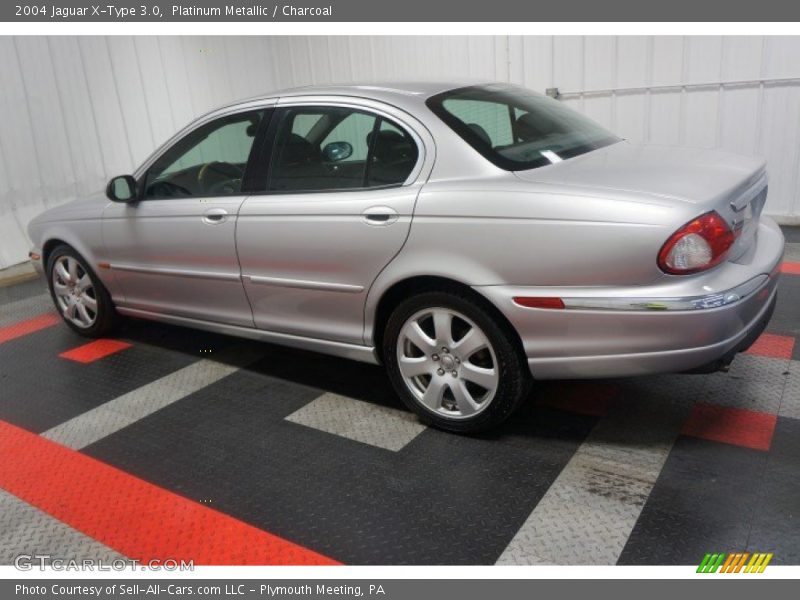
(736, 426)
(793, 268)
(16, 330)
(95, 350)
(130, 515)
(773, 346)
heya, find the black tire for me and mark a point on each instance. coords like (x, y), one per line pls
(514, 381)
(106, 318)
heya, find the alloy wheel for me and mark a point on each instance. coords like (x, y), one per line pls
(74, 292)
(448, 363)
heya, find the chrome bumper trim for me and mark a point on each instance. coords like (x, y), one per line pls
(716, 300)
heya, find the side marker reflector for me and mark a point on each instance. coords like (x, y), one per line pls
(539, 302)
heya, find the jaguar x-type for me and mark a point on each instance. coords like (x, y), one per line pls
(471, 238)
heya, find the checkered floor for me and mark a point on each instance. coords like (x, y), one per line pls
(171, 443)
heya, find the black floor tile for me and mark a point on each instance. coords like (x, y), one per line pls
(443, 499)
(703, 501)
(791, 233)
(776, 525)
(786, 319)
(21, 291)
(41, 390)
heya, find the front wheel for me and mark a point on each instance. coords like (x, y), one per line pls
(78, 294)
(452, 364)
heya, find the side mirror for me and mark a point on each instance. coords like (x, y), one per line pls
(336, 151)
(121, 189)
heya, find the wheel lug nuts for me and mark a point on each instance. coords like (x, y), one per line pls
(458, 361)
(445, 350)
(440, 371)
(454, 373)
(435, 357)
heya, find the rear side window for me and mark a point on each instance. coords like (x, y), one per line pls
(336, 148)
(517, 129)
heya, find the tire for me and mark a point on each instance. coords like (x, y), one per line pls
(485, 372)
(79, 296)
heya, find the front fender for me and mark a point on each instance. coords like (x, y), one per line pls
(86, 237)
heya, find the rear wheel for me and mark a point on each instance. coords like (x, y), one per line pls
(78, 294)
(452, 364)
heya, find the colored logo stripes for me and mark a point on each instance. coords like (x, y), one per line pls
(735, 562)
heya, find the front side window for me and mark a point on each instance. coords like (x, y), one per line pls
(335, 148)
(209, 161)
(517, 129)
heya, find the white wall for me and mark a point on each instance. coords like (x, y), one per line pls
(77, 110)
(737, 93)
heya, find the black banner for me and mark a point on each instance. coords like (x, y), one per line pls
(407, 11)
(732, 588)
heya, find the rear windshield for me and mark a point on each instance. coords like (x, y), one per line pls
(517, 129)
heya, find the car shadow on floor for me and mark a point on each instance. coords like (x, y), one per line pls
(587, 401)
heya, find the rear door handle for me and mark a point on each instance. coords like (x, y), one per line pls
(380, 215)
(215, 216)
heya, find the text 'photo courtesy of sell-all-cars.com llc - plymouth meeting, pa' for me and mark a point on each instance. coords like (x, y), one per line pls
(471, 238)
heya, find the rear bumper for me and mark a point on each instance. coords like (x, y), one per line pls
(681, 324)
(701, 358)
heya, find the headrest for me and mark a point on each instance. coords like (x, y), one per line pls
(297, 150)
(531, 127)
(481, 133)
(389, 145)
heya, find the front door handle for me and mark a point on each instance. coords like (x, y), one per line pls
(380, 215)
(215, 216)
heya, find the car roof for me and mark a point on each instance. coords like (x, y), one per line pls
(394, 88)
(391, 92)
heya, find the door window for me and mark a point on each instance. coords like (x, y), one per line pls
(335, 148)
(209, 161)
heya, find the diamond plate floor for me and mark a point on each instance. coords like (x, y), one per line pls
(125, 410)
(27, 530)
(653, 470)
(24, 308)
(361, 421)
(588, 513)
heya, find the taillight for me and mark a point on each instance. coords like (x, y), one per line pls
(697, 246)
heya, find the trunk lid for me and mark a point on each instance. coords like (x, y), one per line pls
(733, 185)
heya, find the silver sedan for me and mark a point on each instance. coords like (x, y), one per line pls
(471, 238)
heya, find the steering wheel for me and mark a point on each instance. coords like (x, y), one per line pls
(220, 178)
(227, 187)
(166, 189)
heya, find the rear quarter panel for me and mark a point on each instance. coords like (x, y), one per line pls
(500, 231)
